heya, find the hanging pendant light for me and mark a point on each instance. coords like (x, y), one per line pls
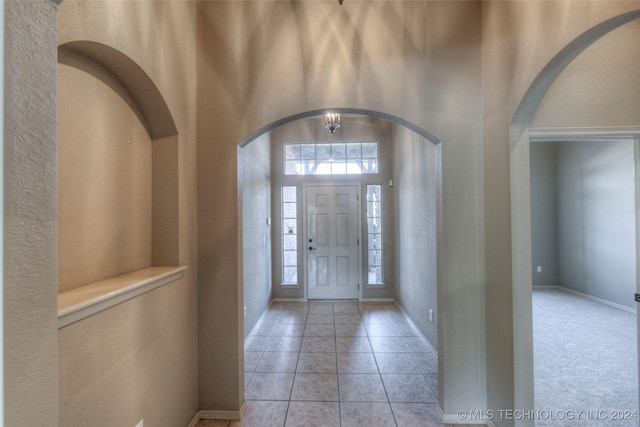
(332, 122)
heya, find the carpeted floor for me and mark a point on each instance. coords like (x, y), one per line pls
(585, 359)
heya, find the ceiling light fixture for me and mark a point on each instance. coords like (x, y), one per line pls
(340, 2)
(332, 122)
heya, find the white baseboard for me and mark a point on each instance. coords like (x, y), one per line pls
(222, 415)
(454, 419)
(194, 420)
(415, 329)
(289, 300)
(377, 300)
(591, 297)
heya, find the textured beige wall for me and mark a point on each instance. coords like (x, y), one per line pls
(262, 61)
(415, 183)
(132, 362)
(519, 39)
(104, 183)
(29, 184)
(589, 94)
(139, 360)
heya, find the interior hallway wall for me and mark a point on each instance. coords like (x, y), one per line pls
(30, 357)
(583, 217)
(138, 360)
(262, 61)
(597, 219)
(256, 231)
(416, 229)
(544, 213)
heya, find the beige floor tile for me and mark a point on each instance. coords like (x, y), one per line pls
(347, 319)
(284, 344)
(388, 345)
(288, 330)
(396, 363)
(277, 361)
(269, 386)
(357, 363)
(263, 414)
(251, 359)
(350, 330)
(359, 414)
(427, 362)
(381, 330)
(317, 363)
(313, 414)
(318, 345)
(315, 387)
(416, 414)
(408, 388)
(416, 345)
(405, 330)
(361, 388)
(319, 330)
(256, 343)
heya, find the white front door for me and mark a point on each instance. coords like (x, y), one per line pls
(332, 223)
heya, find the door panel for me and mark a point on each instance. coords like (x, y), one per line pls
(333, 261)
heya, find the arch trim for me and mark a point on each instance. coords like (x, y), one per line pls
(127, 78)
(342, 110)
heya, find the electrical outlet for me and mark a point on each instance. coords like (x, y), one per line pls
(539, 269)
(430, 315)
(245, 311)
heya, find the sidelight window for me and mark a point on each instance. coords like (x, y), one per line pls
(289, 235)
(374, 234)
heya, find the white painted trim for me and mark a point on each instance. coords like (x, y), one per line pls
(223, 415)
(85, 301)
(194, 420)
(289, 285)
(415, 328)
(455, 419)
(591, 297)
(290, 300)
(249, 338)
(377, 300)
(375, 285)
(586, 133)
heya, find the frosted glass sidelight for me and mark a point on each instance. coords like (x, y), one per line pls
(289, 235)
(374, 234)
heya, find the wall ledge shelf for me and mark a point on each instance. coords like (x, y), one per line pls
(80, 303)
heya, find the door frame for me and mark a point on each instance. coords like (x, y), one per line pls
(305, 185)
(597, 134)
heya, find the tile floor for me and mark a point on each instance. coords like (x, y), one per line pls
(337, 364)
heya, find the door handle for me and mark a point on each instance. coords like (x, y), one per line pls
(311, 248)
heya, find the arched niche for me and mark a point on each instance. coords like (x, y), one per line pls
(127, 146)
(521, 201)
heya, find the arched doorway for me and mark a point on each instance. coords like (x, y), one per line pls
(419, 135)
(521, 203)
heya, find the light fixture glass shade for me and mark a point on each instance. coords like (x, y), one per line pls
(332, 122)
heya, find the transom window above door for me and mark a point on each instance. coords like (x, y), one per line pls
(341, 158)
